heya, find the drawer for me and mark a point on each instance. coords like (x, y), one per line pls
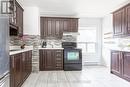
(59, 64)
(59, 51)
(58, 55)
(58, 60)
(59, 68)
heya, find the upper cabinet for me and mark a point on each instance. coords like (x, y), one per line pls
(19, 18)
(128, 18)
(70, 24)
(16, 19)
(55, 26)
(121, 22)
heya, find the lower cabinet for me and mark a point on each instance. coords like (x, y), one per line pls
(51, 59)
(116, 62)
(120, 64)
(126, 66)
(20, 68)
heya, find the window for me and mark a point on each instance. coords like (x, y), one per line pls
(87, 34)
(87, 39)
(91, 48)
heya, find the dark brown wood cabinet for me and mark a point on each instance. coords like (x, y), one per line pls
(12, 20)
(15, 70)
(19, 18)
(128, 19)
(126, 66)
(120, 62)
(116, 62)
(20, 68)
(16, 19)
(53, 27)
(121, 22)
(51, 59)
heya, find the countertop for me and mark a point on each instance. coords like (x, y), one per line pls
(51, 48)
(18, 50)
(125, 49)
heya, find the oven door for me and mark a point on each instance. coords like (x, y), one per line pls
(72, 56)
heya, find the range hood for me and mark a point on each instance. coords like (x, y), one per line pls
(71, 33)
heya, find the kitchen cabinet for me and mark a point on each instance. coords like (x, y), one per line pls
(20, 68)
(13, 13)
(70, 25)
(126, 66)
(128, 19)
(53, 27)
(19, 18)
(16, 19)
(116, 62)
(58, 28)
(121, 22)
(51, 59)
(15, 70)
(66, 25)
(74, 25)
(120, 62)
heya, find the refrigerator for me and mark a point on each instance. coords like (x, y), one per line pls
(4, 49)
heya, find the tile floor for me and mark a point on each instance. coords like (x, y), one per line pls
(88, 77)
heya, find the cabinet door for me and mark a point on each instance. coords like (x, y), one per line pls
(74, 25)
(61, 28)
(126, 66)
(128, 19)
(42, 25)
(49, 60)
(12, 72)
(57, 29)
(19, 18)
(17, 69)
(41, 60)
(30, 62)
(23, 64)
(49, 28)
(66, 24)
(53, 27)
(119, 23)
(115, 62)
(13, 16)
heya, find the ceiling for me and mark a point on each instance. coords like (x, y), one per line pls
(78, 8)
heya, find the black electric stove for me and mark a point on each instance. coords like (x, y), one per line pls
(72, 56)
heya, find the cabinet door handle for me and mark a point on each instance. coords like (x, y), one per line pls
(23, 58)
(13, 62)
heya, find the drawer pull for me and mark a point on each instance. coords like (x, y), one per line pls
(13, 62)
(58, 55)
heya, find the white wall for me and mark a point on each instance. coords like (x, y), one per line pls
(31, 21)
(107, 27)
